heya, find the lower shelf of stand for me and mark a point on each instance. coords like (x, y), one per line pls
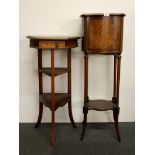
(100, 105)
(60, 99)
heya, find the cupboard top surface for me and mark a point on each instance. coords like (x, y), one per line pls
(102, 14)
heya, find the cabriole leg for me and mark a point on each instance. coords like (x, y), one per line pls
(40, 115)
(40, 88)
(69, 88)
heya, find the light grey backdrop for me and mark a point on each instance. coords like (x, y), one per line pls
(61, 17)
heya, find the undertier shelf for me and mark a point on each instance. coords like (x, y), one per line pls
(57, 71)
(100, 105)
(60, 99)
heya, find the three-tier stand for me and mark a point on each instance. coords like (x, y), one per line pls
(53, 100)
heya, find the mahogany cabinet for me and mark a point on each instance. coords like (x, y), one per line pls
(103, 34)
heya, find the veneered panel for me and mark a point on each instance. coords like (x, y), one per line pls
(104, 33)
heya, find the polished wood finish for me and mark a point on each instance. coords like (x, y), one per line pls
(86, 79)
(57, 71)
(103, 34)
(102, 14)
(86, 98)
(116, 95)
(70, 88)
(100, 105)
(40, 88)
(49, 42)
(54, 100)
(53, 38)
(60, 100)
(52, 96)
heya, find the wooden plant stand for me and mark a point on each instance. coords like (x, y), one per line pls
(103, 35)
(53, 100)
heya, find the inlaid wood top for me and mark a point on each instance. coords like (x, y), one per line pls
(44, 37)
(102, 14)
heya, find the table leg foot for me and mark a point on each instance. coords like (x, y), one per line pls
(71, 115)
(85, 111)
(115, 115)
(40, 115)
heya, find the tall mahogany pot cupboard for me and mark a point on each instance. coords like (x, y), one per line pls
(103, 34)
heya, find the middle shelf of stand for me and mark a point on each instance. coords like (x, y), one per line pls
(57, 71)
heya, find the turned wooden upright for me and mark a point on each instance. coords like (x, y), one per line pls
(54, 100)
(103, 34)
